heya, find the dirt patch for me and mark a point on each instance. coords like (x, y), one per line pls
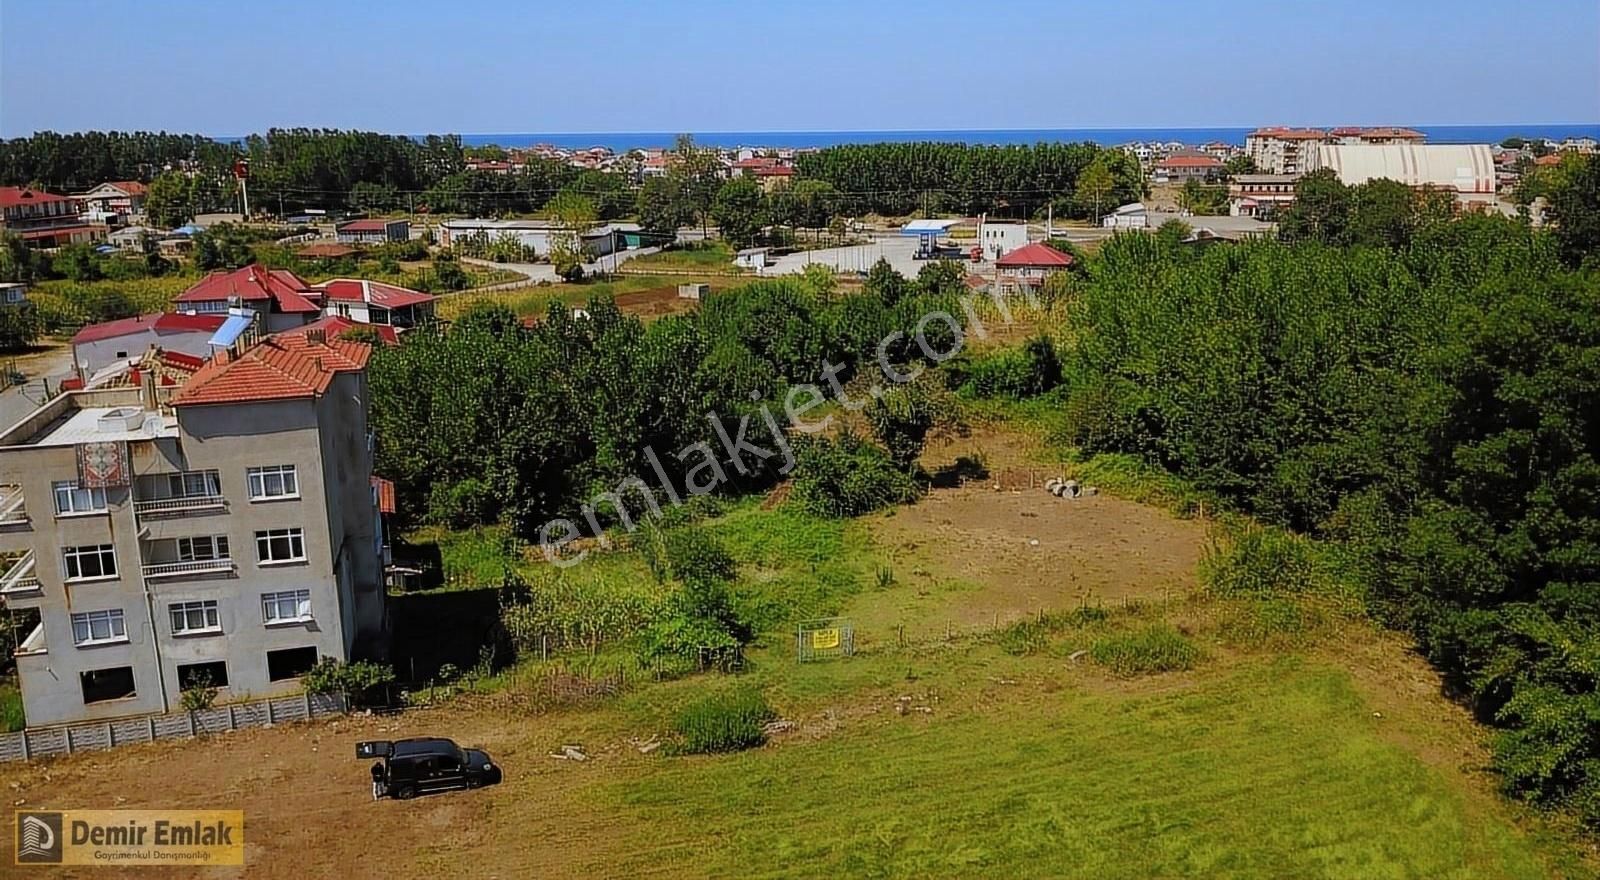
(655, 302)
(976, 556)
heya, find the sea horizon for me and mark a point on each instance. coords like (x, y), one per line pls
(628, 140)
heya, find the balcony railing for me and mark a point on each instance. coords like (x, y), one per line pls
(185, 569)
(179, 505)
(12, 511)
(20, 578)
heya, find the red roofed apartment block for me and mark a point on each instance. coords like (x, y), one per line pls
(45, 220)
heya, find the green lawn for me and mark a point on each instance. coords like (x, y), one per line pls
(1273, 769)
(10, 706)
(711, 255)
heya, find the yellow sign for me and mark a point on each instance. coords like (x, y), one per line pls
(822, 639)
(167, 838)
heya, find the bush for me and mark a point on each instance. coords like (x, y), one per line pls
(359, 681)
(1032, 635)
(459, 505)
(1152, 649)
(724, 722)
(1263, 562)
(1014, 372)
(847, 476)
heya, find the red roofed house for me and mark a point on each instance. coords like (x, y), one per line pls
(372, 231)
(373, 302)
(1028, 266)
(335, 327)
(244, 544)
(124, 198)
(45, 220)
(280, 296)
(1178, 169)
(100, 345)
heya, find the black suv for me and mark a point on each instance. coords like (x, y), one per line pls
(409, 767)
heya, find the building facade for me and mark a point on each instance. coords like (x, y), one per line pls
(45, 220)
(221, 532)
(1278, 150)
(1260, 195)
(372, 231)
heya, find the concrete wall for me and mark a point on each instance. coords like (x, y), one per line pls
(94, 356)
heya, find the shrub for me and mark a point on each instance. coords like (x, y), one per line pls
(199, 695)
(847, 476)
(725, 722)
(11, 716)
(1262, 562)
(359, 681)
(1014, 372)
(465, 503)
(1032, 635)
(1152, 649)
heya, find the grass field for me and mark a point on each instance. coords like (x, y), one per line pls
(534, 300)
(710, 256)
(1005, 715)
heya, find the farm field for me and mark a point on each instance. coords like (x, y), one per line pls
(961, 741)
(643, 295)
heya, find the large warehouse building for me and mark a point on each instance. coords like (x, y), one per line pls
(1468, 169)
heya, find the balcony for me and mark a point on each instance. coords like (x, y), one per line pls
(189, 568)
(13, 513)
(34, 643)
(179, 506)
(20, 579)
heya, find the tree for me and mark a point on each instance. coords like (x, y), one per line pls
(1574, 210)
(885, 283)
(740, 212)
(167, 202)
(224, 246)
(369, 196)
(663, 206)
(1321, 209)
(697, 173)
(573, 215)
(1383, 213)
(1095, 185)
(901, 417)
(1237, 165)
(803, 203)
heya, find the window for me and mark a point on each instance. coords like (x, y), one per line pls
(290, 606)
(212, 674)
(202, 547)
(202, 484)
(100, 685)
(290, 663)
(193, 617)
(98, 627)
(280, 545)
(70, 499)
(274, 481)
(90, 561)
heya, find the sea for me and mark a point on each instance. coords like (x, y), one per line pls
(623, 141)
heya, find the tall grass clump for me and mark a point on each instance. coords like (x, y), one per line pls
(1152, 649)
(1031, 636)
(729, 721)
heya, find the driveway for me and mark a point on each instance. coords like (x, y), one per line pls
(533, 273)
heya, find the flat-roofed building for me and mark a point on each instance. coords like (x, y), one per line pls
(1468, 170)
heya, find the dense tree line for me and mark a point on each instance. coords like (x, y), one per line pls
(1422, 395)
(493, 421)
(909, 178)
(76, 162)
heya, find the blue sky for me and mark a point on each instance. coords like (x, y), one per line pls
(483, 66)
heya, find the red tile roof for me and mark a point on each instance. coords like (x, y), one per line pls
(255, 283)
(385, 494)
(1189, 162)
(61, 230)
(336, 327)
(1290, 134)
(12, 196)
(1548, 159)
(163, 323)
(774, 171)
(283, 367)
(365, 225)
(389, 296)
(131, 187)
(1035, 254)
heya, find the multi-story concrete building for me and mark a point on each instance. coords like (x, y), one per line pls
(1278, 150)
(224, 529)
(45, 220)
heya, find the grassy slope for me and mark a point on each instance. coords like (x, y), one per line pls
(1272, 769)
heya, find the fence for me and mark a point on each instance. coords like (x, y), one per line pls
(38, 742)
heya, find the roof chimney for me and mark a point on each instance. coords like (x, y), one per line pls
(317, 336)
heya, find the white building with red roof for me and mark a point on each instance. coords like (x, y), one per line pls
(283, 299)
(98, 346)
(1027, 267)
(1180, 169)
(123, 198)
(377, 303)
(44, 219)
(373, 231)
